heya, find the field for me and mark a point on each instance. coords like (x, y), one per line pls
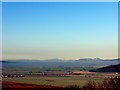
(54, 81)
(62, 81)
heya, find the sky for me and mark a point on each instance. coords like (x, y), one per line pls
(0, 31)
(65, 30)
(60, 0)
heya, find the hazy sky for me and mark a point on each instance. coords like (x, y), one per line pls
(45, 30)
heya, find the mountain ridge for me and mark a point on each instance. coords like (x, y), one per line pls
(56, 59)
(110, 68)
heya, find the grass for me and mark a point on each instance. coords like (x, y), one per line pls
(55, 81)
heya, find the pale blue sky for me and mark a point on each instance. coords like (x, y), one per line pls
(0, 31)
(45, 30)
(60, 0)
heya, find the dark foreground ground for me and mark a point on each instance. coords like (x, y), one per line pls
(25, 86)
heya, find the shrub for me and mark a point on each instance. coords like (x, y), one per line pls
(113, 82)
(73, 87)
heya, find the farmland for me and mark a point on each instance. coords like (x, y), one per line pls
(62, 81)
(54, 81)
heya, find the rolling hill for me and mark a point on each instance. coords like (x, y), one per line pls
(110, 68)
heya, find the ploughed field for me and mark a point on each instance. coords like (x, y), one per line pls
(26, 86)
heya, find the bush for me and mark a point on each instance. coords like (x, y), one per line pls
(73, 87)
(113, 82)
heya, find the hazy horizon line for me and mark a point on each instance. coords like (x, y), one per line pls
(60, 58)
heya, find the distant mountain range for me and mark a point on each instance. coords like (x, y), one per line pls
(31, 60)
(86, 62)
(98, 59)
(58, 60)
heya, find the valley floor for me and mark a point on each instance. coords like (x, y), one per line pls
(61, 81)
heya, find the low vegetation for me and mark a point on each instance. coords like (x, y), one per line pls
(110, 82)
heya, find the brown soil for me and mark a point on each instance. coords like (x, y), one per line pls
(25, 86)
